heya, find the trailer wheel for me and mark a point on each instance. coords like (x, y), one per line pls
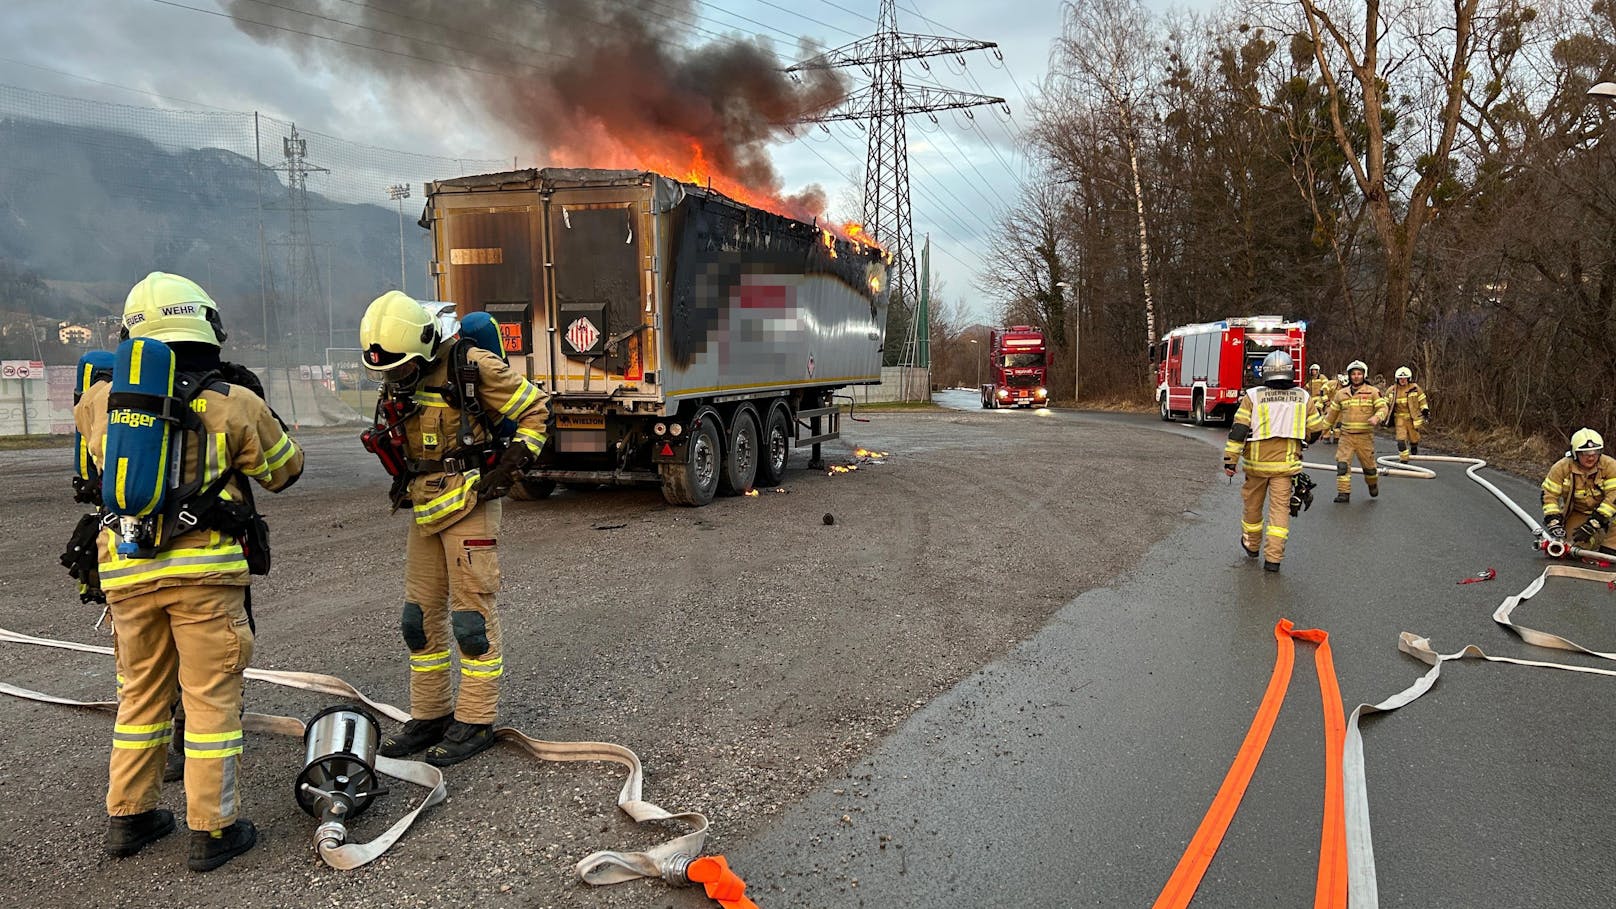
(776, 447)
(533, 490)
(1198, 414)
(740, 454)
(694, 481)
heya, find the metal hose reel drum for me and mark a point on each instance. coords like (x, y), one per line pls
(339, 777)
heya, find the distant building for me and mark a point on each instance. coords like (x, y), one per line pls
(75, 334)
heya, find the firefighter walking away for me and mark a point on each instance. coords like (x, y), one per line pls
(1579, 494)
(1270, 428)
(454, 426)
(177, 433)
(1355, 410)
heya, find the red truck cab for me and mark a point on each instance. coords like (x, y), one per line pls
(1018, 368)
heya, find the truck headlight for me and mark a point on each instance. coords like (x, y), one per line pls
(1004, 393)
(1043, 392)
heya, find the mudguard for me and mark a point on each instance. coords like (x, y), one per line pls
(143, 419)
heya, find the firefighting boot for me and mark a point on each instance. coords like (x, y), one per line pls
(1343, 497)
(1374, 490)
(212, 848)
(415, 735)
(1270, 566)
(461, 741)
(1414, 448)
(130, 833)
(1250, 553)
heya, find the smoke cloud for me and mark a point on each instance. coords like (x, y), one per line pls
(588, 83)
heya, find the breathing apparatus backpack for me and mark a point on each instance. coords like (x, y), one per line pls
(81, 559)
(385, 438)
(150, 425)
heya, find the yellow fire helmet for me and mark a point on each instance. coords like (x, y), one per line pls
(1403, 372)
(1584, 440)
(395, 330)
(168, 308)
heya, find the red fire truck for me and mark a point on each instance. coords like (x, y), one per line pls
(1201, 370)
(1017, 368)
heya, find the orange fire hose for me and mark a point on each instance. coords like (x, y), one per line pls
(722, 884)
(1331, 890)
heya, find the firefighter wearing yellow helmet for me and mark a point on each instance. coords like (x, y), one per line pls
(1410, 409)
(179, 606)
(438, 432)
(1579, 494)
(1355, 410)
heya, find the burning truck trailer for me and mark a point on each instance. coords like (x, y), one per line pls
(686, 339)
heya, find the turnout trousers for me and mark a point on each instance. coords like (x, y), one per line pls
(1408, 435)
(1275, 493)
(1362, 445)
(450, 580)
(195, 638)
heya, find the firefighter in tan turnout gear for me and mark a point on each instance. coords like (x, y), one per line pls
(180, 616)
(1355, 410)
(438, 432)
(1316, 382)
(1579, 494)
(1410, 409)
(1268, 434)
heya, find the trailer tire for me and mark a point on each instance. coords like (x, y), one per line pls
(694, 481)
(775, 447)
(740, 453)
(533, 490)
(1198, 411)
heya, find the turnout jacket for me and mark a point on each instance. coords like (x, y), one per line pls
(239, 433)
(1269, 429)
(440, 497)
(1570, 486)
(1408, 403)
(1353, 408)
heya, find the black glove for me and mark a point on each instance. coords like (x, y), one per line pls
(1425, 413)
(1555, 524)
(1590, 529)
(497, 480)
(1228, 468)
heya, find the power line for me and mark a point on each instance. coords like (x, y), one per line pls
(138, 91)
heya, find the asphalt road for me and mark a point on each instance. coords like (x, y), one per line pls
(947, 735)
(1073, 771)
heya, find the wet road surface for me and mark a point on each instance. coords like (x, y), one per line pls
(1074, 771)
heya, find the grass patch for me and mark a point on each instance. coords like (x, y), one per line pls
(24, 443)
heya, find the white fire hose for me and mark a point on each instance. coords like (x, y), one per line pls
(1362, 888)
(668, 860)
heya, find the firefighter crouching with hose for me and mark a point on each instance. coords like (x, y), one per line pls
(1579, 494)
(437, 432)
(175, 571)
(1268, 434)
(1356, 409)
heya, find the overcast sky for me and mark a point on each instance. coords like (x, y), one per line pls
(961, 172)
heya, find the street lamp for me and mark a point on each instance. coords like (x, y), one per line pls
(978, 359)
(1077, 324)
(398, 192)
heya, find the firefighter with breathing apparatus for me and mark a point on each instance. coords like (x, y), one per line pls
(454, 426)
(1270, 429)
(1579, 494)
(1410, 409)
(176, 435)
(1355, 410)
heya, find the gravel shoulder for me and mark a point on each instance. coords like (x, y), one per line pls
(747, 651)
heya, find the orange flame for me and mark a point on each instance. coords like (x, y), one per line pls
(594, 148)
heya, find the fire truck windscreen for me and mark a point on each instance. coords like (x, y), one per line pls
(1023, 360)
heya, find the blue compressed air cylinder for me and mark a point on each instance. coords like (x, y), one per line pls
(90, 365)
(483, 330)
(135, 470)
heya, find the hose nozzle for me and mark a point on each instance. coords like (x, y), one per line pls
(1555, 549)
